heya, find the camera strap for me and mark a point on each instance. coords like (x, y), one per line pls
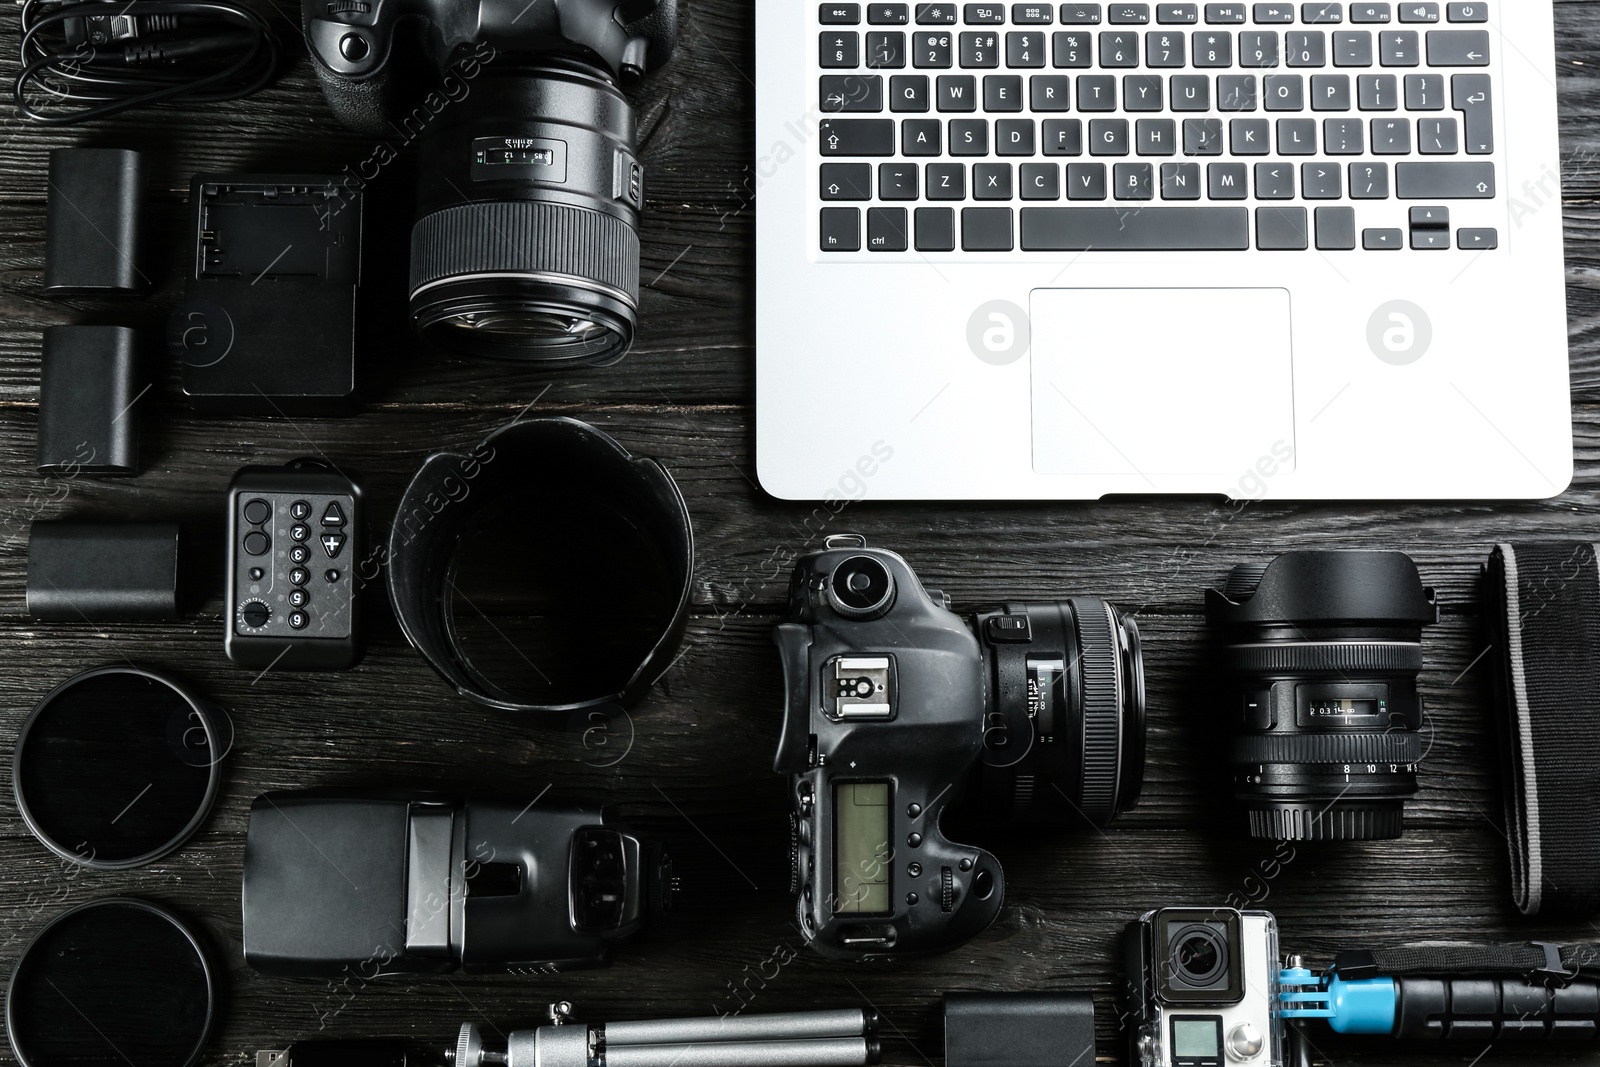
(1538, 961)
(1542, 608)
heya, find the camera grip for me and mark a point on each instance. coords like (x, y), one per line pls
(1488, 1009)
(360, 106)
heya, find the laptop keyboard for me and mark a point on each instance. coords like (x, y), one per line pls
(997, 127)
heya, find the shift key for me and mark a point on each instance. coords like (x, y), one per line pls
(856, 137)
(1444, 181)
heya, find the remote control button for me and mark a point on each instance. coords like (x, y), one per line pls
(299, 576)
(334, 516)
(257, 512)
(256, 574)
(255, 614)
(299, 531)
(299, 554)
(331, 575)
(299, 511)
(298, 619)
(256, 543)
(299, 598)
(332, 543)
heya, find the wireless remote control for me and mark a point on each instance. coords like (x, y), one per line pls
(294, 536)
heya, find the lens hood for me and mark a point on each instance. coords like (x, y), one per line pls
(1330, 586)
(546, 570)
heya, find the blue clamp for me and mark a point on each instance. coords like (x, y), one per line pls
(1357, 1006)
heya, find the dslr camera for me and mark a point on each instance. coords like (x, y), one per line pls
(526, 244)
(896, 708)
(1203, 988)
(369, 884)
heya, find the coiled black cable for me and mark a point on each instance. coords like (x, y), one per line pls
(194, 50)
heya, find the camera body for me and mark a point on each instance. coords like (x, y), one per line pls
(895, 709)
(1203, 988)
(352, 43)
(369, 884)
(526, 244)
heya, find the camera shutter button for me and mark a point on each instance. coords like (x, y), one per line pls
(354, 47)
(1245, 1042)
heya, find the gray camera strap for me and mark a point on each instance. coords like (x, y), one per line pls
(1542, 606)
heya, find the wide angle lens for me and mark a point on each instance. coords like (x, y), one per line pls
(1321, 652)
(1064, 732)
(526, 245)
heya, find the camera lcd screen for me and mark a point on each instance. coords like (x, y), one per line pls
(861, 847)
(1200, 1038)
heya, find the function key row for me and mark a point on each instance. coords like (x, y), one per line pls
(1024, 49)
(995, 14)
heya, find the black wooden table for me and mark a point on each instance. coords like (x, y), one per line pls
(699, 766)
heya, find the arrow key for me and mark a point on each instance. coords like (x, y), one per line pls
(1477, 238)
(1458, 48)
(1379, 239)
(1430, 218)
(847, 181)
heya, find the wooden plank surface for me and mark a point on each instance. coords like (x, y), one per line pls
(699, 768)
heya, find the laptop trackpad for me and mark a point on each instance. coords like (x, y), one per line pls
(1160, 381)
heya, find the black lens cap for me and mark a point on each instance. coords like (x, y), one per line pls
(112, 982)
(119, 766)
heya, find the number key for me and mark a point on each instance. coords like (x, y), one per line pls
(1025, 49)
(1071, 49)
(980, 50)
(1163, 48)
(886, 50)
(931, 50)
(1119, 48)
(1213, 49)
(1258, 48)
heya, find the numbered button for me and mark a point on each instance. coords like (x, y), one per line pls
(299, 576)
(299, 619)
(299, 554)
(299, 598)
(299, 531)
(299, 511)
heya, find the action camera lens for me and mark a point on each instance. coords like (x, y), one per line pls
(1322, 651)
(861, 588)
(1200, 955)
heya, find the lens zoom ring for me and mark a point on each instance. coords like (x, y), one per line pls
(1328, 748)
(1346, 657)
(1102, 700)
(526, 236)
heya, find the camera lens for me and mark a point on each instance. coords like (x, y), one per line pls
(527, 246)
(1199, 955)
(862, 587)
(1064, 732)
(1322, 652)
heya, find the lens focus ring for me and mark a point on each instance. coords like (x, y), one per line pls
(1345, 657)
(1097, 662)
(1328, 748)
(527, 237)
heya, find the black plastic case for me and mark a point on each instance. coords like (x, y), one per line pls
(267, 325)
(316, 648)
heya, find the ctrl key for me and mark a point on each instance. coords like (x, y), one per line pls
(841, 229)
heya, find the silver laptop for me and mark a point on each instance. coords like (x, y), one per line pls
(1060, 251)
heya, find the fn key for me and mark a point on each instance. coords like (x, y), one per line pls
(841, 229)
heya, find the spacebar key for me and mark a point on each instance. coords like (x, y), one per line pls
(1151, 229)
